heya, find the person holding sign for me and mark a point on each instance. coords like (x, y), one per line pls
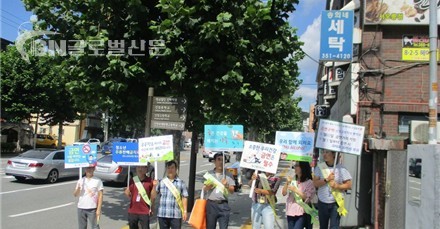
(90, 191)
(301, 190)
(142, 193)
(218, 185)
(331, 180)
(264, 200)
(173, 198)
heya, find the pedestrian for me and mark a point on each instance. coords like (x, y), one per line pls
(173, 199)
(300, 192)
(90, 190)
(218, 185)
(331, 180)
(264, 200)
(142, 193)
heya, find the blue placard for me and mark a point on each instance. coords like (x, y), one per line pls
(80, 156)
(337, 35)
(223, 137)
(125, 153)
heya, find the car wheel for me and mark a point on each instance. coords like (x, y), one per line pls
(20, 178)
(53, 176)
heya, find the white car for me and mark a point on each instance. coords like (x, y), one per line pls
(89, 141)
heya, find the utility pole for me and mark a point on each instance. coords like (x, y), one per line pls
(433, 99)
(192, 170)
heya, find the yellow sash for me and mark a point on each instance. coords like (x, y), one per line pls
(175, 192)
(141, 190)
(312, 211)
(266, 186)
(336, 193)
(210, 180)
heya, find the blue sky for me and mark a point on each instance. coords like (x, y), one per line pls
(306, 18)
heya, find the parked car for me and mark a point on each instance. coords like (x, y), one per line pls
(47, 164)
(47, 140)
(132, 140)
(107, 170)
(107, 146)
(89, 141)
(212, 153)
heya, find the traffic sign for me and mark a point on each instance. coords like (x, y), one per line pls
(169, 125)
(169, 113)
(169, 117)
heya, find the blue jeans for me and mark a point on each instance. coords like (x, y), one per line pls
(328, 212)
(262, 213)
(296, 222)
(87, 216)
(217, 212)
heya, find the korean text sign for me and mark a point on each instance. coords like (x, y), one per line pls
(80, 156)
(223, 137)
(337, 35)
(260, 156)
(340, 137)
(125, 153)
(295, 146)
(158, 148)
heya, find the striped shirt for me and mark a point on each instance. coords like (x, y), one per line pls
(168, 207)
(341, 175)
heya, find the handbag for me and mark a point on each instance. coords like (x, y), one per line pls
(197, 218)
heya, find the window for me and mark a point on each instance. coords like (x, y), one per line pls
(59, 156)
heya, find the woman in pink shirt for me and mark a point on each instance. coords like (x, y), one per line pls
(297, 218)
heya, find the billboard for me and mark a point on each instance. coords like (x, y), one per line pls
(337, 35)
(392, 12)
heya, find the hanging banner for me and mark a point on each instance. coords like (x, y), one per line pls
(223, 138)
(158, 148)
(80, 156)
(125, 153)
(295, 146)
(340, 137)
(260, 156)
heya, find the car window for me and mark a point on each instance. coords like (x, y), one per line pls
(40, 136)
(106, 159)
(83, 140)
(37, 154)
(59, 156)
(49, 137)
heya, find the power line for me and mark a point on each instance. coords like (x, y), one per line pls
(6, 23)
(21, 19)
(11, 21)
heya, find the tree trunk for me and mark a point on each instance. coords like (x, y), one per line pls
(60, 135)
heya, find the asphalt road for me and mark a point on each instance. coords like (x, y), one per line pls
(34, 204)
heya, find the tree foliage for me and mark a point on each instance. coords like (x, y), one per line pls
(235, 61)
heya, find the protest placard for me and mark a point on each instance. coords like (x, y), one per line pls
(158, 148)
(260, 156)
(223, 138)
(340, 137)
(295, 146)
(80, 156)
(125, 153)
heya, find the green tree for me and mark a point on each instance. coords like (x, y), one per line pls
(35, 87)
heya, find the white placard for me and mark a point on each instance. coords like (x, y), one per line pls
(158, 148)
(260, 156)
(340, 137)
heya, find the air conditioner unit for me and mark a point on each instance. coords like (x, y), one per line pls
(419, 132)
(321, 111)
(332, 91)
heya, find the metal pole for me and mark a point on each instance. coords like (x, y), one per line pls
(148, 115)
(432, 131)
(106, 125)
(192, 170)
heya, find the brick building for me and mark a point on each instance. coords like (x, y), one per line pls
(383, 88)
